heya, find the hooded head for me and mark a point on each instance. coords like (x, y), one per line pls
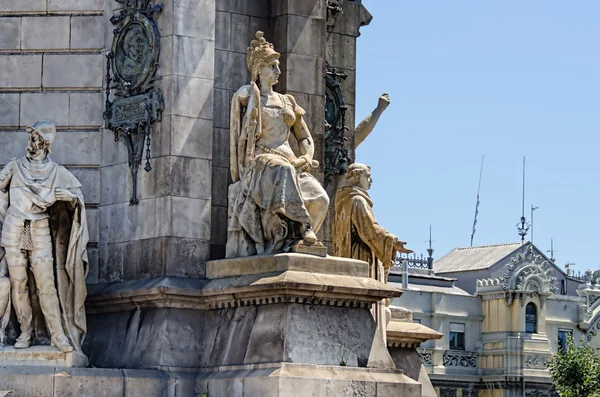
(41, 135)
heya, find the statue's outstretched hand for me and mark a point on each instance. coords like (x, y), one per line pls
(399, 246)
(65, 195)
(384, 101)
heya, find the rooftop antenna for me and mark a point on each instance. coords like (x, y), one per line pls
(477, 205)
(551, 251)
(532, 209)
(523, 226)
(430, 251)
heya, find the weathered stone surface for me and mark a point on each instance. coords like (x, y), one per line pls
(22, 6)
(10, 116)
(191, 137)
(220, 149)
(75, 382)
(73, 71)
(195, 18)
(188, 96)
(45, 33)
(218, 225)
(83, 6)
(191, 218)
(28, 381)
(222, 102)
(190, 57)
(223, 30)
(90, 183)
(231, 71)
(41, 356)
(139, 383)
(44, 106)
(256, 8)
(85, 109)
(305, 74)
(87, 33)
(234, 267)
(75, 148)
(21, 71)
(312, 8)
(341, 51)
(10, 33)
(303, 35)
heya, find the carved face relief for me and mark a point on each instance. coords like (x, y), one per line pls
(132, 53)
(269, 73)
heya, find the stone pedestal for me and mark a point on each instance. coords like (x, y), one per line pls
(41, 356)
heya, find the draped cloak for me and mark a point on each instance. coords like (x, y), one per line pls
(356, 233)
(68, 228)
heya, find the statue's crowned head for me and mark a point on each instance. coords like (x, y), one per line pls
(41, 136)
(260, 53)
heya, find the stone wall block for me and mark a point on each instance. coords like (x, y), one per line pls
(87, 32)
(255, 8)
(314, 105)
(341, 51)
(8, 7)
(74, 148)
(190, 218)
(189, 96)
(44, 106)
(218, 225)
(110, 267)
(231, 71)
(93, 266)
(75, 6)
(220, 149)
(191, 137)
(45, 33)
(307, 8)
(85, 109)
(220, 185)
(222, 103)
(21, 71)
(9, 103)
(10, 33)
(13, 145)
(73, 382)
(113, 152)
(186, 257)
(195, 18)
(156, 182)
(116, 183)
(122, 222)
(305, 36)
(190, 177)
(73, 71)
(241, 33)
(93, 224)
(145, 383)
(223, 30)
(32, 381)
(305, 74)
(193, 57)
(90, 183)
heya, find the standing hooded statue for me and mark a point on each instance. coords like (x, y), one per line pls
(44, 236)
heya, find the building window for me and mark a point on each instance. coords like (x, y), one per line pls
(457, 336)
(563, 335)
(416, 321)
(531, 318)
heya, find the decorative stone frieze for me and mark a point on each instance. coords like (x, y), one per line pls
(457, 359)
(536, 362)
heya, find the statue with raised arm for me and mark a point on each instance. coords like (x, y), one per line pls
(44, 236)
(274, 202)
(356, 233)
(365, 127)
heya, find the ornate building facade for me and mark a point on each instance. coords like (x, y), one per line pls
(504, 310)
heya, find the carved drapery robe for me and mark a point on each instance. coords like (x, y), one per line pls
(357, 235)
(34, 185)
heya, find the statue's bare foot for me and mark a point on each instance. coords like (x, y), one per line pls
(62, 343)
(23, 341)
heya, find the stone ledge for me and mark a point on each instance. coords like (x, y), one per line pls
(408, 334)
(234, 267)
(41, 356)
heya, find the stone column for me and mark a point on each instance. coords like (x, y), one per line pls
(168, 233)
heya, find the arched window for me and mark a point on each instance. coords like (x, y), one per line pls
(531, 318)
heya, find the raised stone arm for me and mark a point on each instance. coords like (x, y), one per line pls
(366, 126)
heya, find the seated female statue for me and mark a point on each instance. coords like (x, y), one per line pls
(274, 201)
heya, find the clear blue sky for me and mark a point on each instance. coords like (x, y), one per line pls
(502, 78)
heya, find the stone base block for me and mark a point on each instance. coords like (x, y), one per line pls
(41, 356)
(300, 380)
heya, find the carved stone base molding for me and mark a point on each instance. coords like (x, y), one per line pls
(41, 356)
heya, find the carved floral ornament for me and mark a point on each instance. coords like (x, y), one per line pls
(529, 272)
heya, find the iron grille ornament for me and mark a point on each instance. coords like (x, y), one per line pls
(131, 76)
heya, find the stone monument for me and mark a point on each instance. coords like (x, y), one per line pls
(171, 311)
(44, 237)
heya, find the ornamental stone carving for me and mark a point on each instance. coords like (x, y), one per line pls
(460, 360)
(536, 362)
(44, 240)
(529, 272)
(274, 201)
